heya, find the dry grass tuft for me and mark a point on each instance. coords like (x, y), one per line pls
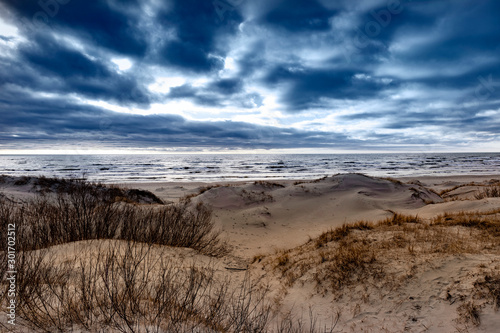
(399, 220)
(48, 185)
(314, 181)
(347, 263)
(487, 222)
(393, 180)
(288, 324)
(187, 198)
(340, 233)
(470, 313)
(283, 260)
(268, 185)
(204, 189)
(488, 192)
(22, 181)
(361, 253)
(253, 197)
(447, 191)
(491, 285)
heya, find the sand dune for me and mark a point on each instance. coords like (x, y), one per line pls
(262, 216)
(269, 217)
(407, 274)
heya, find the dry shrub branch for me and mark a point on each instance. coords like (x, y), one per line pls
(87, 212)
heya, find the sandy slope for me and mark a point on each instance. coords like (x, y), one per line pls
(427, 303)
(261, 218)
(264, 216)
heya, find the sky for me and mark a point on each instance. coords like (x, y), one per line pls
(249, 75)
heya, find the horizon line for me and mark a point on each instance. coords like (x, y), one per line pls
(230, 152)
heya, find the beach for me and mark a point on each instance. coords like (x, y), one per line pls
(419, 269)
(258, 166)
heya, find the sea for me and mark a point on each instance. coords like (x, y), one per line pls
(237, 167)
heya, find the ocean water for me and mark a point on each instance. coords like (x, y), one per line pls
(216, 167)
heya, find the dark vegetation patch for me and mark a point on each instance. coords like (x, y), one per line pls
(106, 193)
(80, 211)
(268, 185)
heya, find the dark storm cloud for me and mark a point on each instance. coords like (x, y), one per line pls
(44, 65)
(307, 87)
(109, 24)
(453, 42)
(184, 91)
(197, 28)
(297, 16)
(47, 63)
(114, 26)
(385, 21)
(456, 32)
(59, 120)
(216, 93)
(252, 60)
(195, 95)
(189, 55)
(228, 86)
(463, 42)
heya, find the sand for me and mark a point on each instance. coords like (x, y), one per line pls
(264, 218)
(258, 219)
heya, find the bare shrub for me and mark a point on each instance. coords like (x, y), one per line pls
(43, 292)
(24, 180)
(72, 186)
(125, 287)
(85, 212)
(130, 287)
(175, 225)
